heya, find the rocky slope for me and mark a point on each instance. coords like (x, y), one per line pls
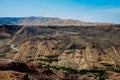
(78, 47)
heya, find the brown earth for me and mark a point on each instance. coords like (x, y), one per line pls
(78, 47)
(33, 71)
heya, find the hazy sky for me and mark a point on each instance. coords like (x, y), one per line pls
(84, 10)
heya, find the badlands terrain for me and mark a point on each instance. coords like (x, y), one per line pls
(45, 48)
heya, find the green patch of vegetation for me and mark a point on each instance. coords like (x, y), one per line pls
(84, 71)
(100, 72)
(62, 68)
(69, 70)
(114, 68)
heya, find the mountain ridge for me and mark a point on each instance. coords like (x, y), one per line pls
(46, 21)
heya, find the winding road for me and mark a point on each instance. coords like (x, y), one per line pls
(12, 47)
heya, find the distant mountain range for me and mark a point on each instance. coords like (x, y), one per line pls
(21, 20)
(36, 21)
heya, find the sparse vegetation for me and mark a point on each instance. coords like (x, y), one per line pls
(84, 71)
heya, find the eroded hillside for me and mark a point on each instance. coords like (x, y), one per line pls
(78, 47)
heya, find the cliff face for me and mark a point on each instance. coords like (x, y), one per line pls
(78, 47)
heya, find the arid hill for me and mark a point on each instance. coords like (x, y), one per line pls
(78, 47)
